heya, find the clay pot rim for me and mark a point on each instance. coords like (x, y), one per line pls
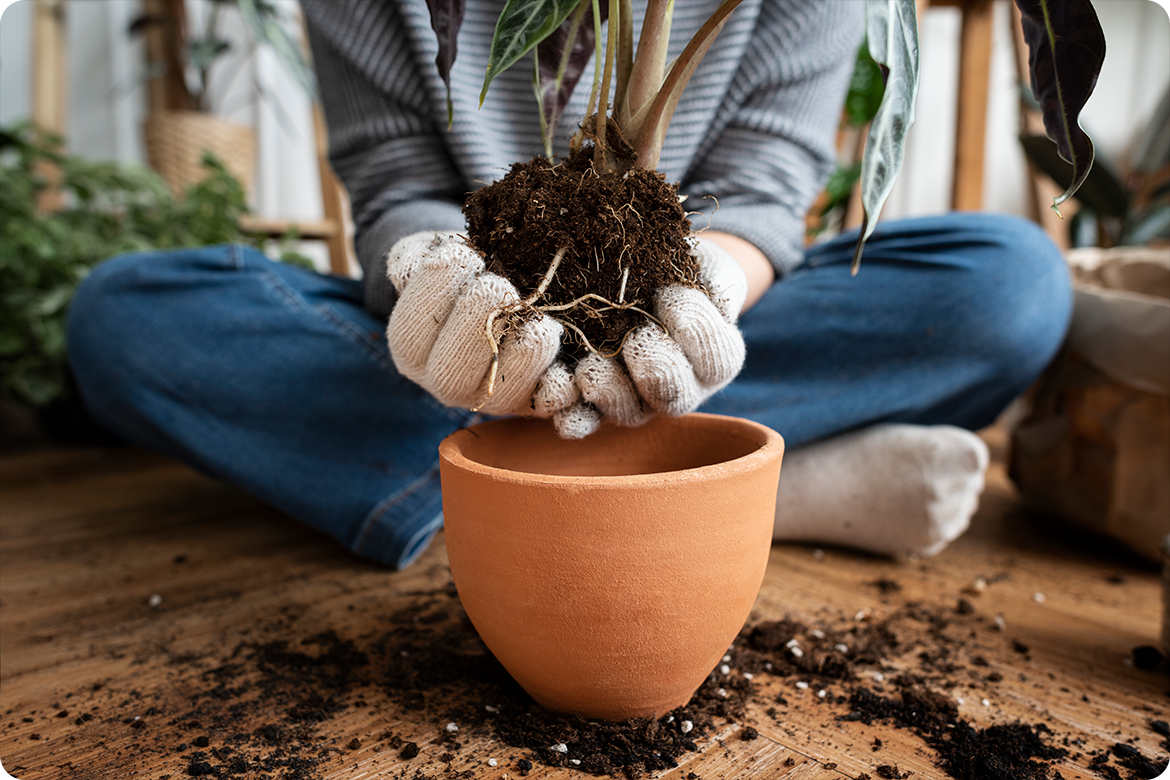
(773, 447)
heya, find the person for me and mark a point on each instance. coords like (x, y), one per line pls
(279, 380)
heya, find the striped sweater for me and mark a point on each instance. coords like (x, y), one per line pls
(754, 130)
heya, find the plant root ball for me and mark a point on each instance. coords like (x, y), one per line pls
(610, 223)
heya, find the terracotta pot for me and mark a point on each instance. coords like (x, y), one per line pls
(609, 575)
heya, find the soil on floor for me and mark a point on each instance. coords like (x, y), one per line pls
(266, 709)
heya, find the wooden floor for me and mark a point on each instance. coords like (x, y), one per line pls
(128, 582)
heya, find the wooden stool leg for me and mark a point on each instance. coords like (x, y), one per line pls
(971, 125)
(50, 89)
(331, 199)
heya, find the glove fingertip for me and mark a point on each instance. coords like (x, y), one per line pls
(556, 390)
(577, 421)
(661, 371)
(607, 386)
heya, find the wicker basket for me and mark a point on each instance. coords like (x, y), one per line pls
(175, 141)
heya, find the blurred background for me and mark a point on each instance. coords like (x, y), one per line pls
(106, 92)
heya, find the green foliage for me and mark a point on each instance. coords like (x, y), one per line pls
(891, 30)
(522, 25)
(866, 87)
(838, 191)
(203, 48)
(109, 209)
(1124, 202)
(1066, 48)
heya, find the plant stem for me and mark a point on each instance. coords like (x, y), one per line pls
(649, 128)
(579, 137)
(600, 125)
(650, 62)
(625, 56)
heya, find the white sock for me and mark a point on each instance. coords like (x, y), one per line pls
(891, 489)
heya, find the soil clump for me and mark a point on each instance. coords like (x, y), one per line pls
(621, 236)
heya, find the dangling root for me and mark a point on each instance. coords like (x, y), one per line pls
(490, 325)
(530, 303)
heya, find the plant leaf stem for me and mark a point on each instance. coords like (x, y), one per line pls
(649, 64)
(600, 124)
(649, 129)
(625, 55)
(579, 137)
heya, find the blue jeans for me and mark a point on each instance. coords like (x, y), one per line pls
(276, 379)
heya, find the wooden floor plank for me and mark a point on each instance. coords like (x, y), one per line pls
(89, 536)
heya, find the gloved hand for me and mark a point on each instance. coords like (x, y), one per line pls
(671, 372)
(437, 329)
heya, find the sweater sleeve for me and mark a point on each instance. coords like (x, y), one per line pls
(773, 143)
(383, 140)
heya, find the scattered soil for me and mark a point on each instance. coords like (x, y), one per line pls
(610, 225)
(435, 661)
(1136, 765)
(1000, 752)
(271, 708)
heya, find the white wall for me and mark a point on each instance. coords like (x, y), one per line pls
(15, 51)
(107, 101)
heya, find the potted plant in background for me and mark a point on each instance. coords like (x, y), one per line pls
(189, 84)
(572, 587)
(109, 208)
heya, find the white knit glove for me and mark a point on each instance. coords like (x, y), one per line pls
(670, 372)
(437, 330)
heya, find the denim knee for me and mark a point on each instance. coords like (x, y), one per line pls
(98, 329)
(1021, 301)
(113, 329)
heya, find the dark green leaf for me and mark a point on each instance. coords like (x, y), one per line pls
(54, 300)
(201, 53)
(1150, 225)
(1101, 191)
(37, 382)
(522, 25)
(555, 86)
(297, 259)
(266, 26)
(840, 185)
(892, 31)
(1065, 50)
(446, 19)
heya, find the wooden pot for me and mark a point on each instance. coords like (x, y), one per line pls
(609, 575)
(176, 140)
